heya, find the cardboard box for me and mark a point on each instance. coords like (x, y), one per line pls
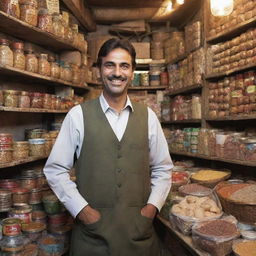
(142, 50)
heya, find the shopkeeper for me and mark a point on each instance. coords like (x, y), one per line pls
(123, 166)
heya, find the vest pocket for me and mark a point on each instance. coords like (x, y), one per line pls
(143, 227)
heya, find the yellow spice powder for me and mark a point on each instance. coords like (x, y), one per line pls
(245, 248)
(206, 175)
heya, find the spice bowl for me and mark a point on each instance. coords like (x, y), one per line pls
(242, 247)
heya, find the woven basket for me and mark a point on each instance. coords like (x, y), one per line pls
(244, 212)
(211, 183)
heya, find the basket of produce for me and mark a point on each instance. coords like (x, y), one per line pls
(239, 200)
(244, 247)
(215, 236)
(193, 209)
(209, 177)
(179, 177)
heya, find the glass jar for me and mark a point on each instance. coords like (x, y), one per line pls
(31, 64)
(28, 12)
(37, 100)
(44, 67)
(11, 98)
(18, 55)
(10, 7)
(76, 76)
(66, 73)
(6, 54)
(36, 147)
(24, 100)
(74, 28)
(20, 150)
(45, 20)
(6, 155)
(53, 101)
(47, 101)
(58, 103)
(57, 26)
(55, 69)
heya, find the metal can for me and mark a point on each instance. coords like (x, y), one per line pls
(11, 226)
(23, 212)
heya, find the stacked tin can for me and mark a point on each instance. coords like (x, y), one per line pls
(6, 149)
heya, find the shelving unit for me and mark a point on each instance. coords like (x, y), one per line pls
(20, 29)
(23, 161)
(32, 110)
(188, 121)
(149, 88)
(185, 89)
(34, 77)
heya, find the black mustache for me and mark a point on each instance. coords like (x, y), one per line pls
(113, 77)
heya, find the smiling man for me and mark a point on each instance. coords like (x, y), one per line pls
(123, 165)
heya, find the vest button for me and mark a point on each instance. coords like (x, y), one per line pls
(119, 156)
(119, 185)
(119, 169)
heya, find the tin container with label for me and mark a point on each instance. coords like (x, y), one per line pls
(22, 212)
(11, 226)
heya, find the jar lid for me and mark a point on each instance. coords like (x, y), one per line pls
(19, 143)
(18, 45)
(248, 234)
(33, 227)
(22, 209)
(36, 141)
(8, 221)
(43, 11)
(4, 41)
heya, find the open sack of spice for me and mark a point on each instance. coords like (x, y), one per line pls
(193, 209)
(215, 236)
(242, 247)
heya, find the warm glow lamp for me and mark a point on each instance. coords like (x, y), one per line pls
(221, 7)
(180, 2)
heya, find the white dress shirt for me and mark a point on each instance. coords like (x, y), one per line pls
(70, 141)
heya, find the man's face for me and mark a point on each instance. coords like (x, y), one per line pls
(116, 72)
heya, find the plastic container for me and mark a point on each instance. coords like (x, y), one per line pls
(6, 155)
(24, 100)
(22, 212)
(10, 7)
(11, 226)
(215, 236)
(12, 245)
(31, 62)
(44, 67)
(36, 147)
(28, 12)
(20, 196)
(45, 20)
(11, 98)
(51, 204)
(33, 230)
(20, 150)
(50, 245)
(18, 55)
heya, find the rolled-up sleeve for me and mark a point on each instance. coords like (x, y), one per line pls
(61, 160)
(160, 162)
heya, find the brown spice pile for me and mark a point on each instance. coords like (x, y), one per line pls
(245, 195)
(247, 248)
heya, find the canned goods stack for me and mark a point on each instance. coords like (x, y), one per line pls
(157, 44)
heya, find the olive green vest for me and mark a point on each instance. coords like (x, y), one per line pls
(114, 178)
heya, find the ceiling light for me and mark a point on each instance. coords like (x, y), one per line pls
(221, 7)
(169, 6)
(180, 1)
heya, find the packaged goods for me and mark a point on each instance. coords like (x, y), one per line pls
(33, 230)
(193, 209)
(44, 67)
(244, 248)
(18, 55)
(51, 204)
(215, 236)
(11, 226)
(50, 245)
(20, 196)
(13, 245)
(24, 100)
(6, 54)
(31, 62)
(44, 20)
(195, 189)
(28, 12)
(22, 212)
(10, 7)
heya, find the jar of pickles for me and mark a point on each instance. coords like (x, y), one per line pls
(31, 62)
(11, 98)
(18, 55)
(6, 54)
(45, 20)
(44, 67)
(24, 100)
(10, 7)
(28, 12)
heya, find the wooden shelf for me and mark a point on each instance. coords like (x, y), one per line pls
(233, 71)
(135, 88)
(232, 32)
(246, 163)
(23, 30)
(189, 121)
(179, 58)
(187, 89)
(23, 161)
(186, 240)
(94, 83)
(141, 62)
(32, 110)
(34, 77)
(233, 118)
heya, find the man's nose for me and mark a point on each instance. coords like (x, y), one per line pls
(117, 71)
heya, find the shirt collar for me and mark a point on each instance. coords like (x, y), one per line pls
(105, 106)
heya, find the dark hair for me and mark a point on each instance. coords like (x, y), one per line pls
(115, 43)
